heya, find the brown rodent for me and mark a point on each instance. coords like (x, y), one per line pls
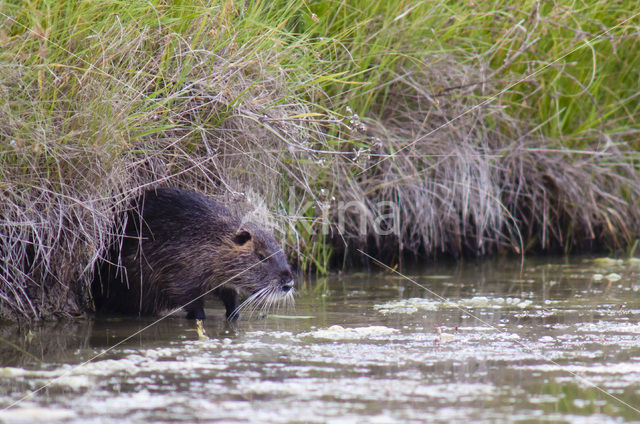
(179, 245)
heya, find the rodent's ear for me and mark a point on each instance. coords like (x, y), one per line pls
(242, 237)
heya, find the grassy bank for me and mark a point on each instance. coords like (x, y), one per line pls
(482, 126)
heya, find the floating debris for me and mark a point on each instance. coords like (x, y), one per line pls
(290, 316)
(607, 261)
(35, 414)
(444, 337)
(338, 332)
(202, 334)
(412, 305)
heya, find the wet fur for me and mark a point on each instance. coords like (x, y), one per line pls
(180, 244)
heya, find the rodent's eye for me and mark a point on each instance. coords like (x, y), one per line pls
(242, 237)
(260, 256)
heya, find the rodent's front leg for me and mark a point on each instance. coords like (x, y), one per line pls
(229, 297)
(195, 310)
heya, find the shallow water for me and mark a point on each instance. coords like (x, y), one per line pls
(558, 341)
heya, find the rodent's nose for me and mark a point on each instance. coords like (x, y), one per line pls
(288, 285)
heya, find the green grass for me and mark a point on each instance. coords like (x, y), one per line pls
(495, 126)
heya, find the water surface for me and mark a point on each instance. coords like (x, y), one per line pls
(555, 341)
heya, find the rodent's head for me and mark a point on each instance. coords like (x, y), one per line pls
(266, 272)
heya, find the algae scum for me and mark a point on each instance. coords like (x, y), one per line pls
(556, 342)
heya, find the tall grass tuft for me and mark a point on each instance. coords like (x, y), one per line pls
(494, 127)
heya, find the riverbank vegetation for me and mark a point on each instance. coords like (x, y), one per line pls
(449, 128)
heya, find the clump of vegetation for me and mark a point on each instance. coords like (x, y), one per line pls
(482, 127)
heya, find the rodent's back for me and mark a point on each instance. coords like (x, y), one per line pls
(179, 244)
(182, 214)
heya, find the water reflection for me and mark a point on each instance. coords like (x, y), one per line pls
(29, 345)
(509, 343)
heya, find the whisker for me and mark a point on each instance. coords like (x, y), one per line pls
(260, 302)
(268, 300)
(248, 301)
(236, 311)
